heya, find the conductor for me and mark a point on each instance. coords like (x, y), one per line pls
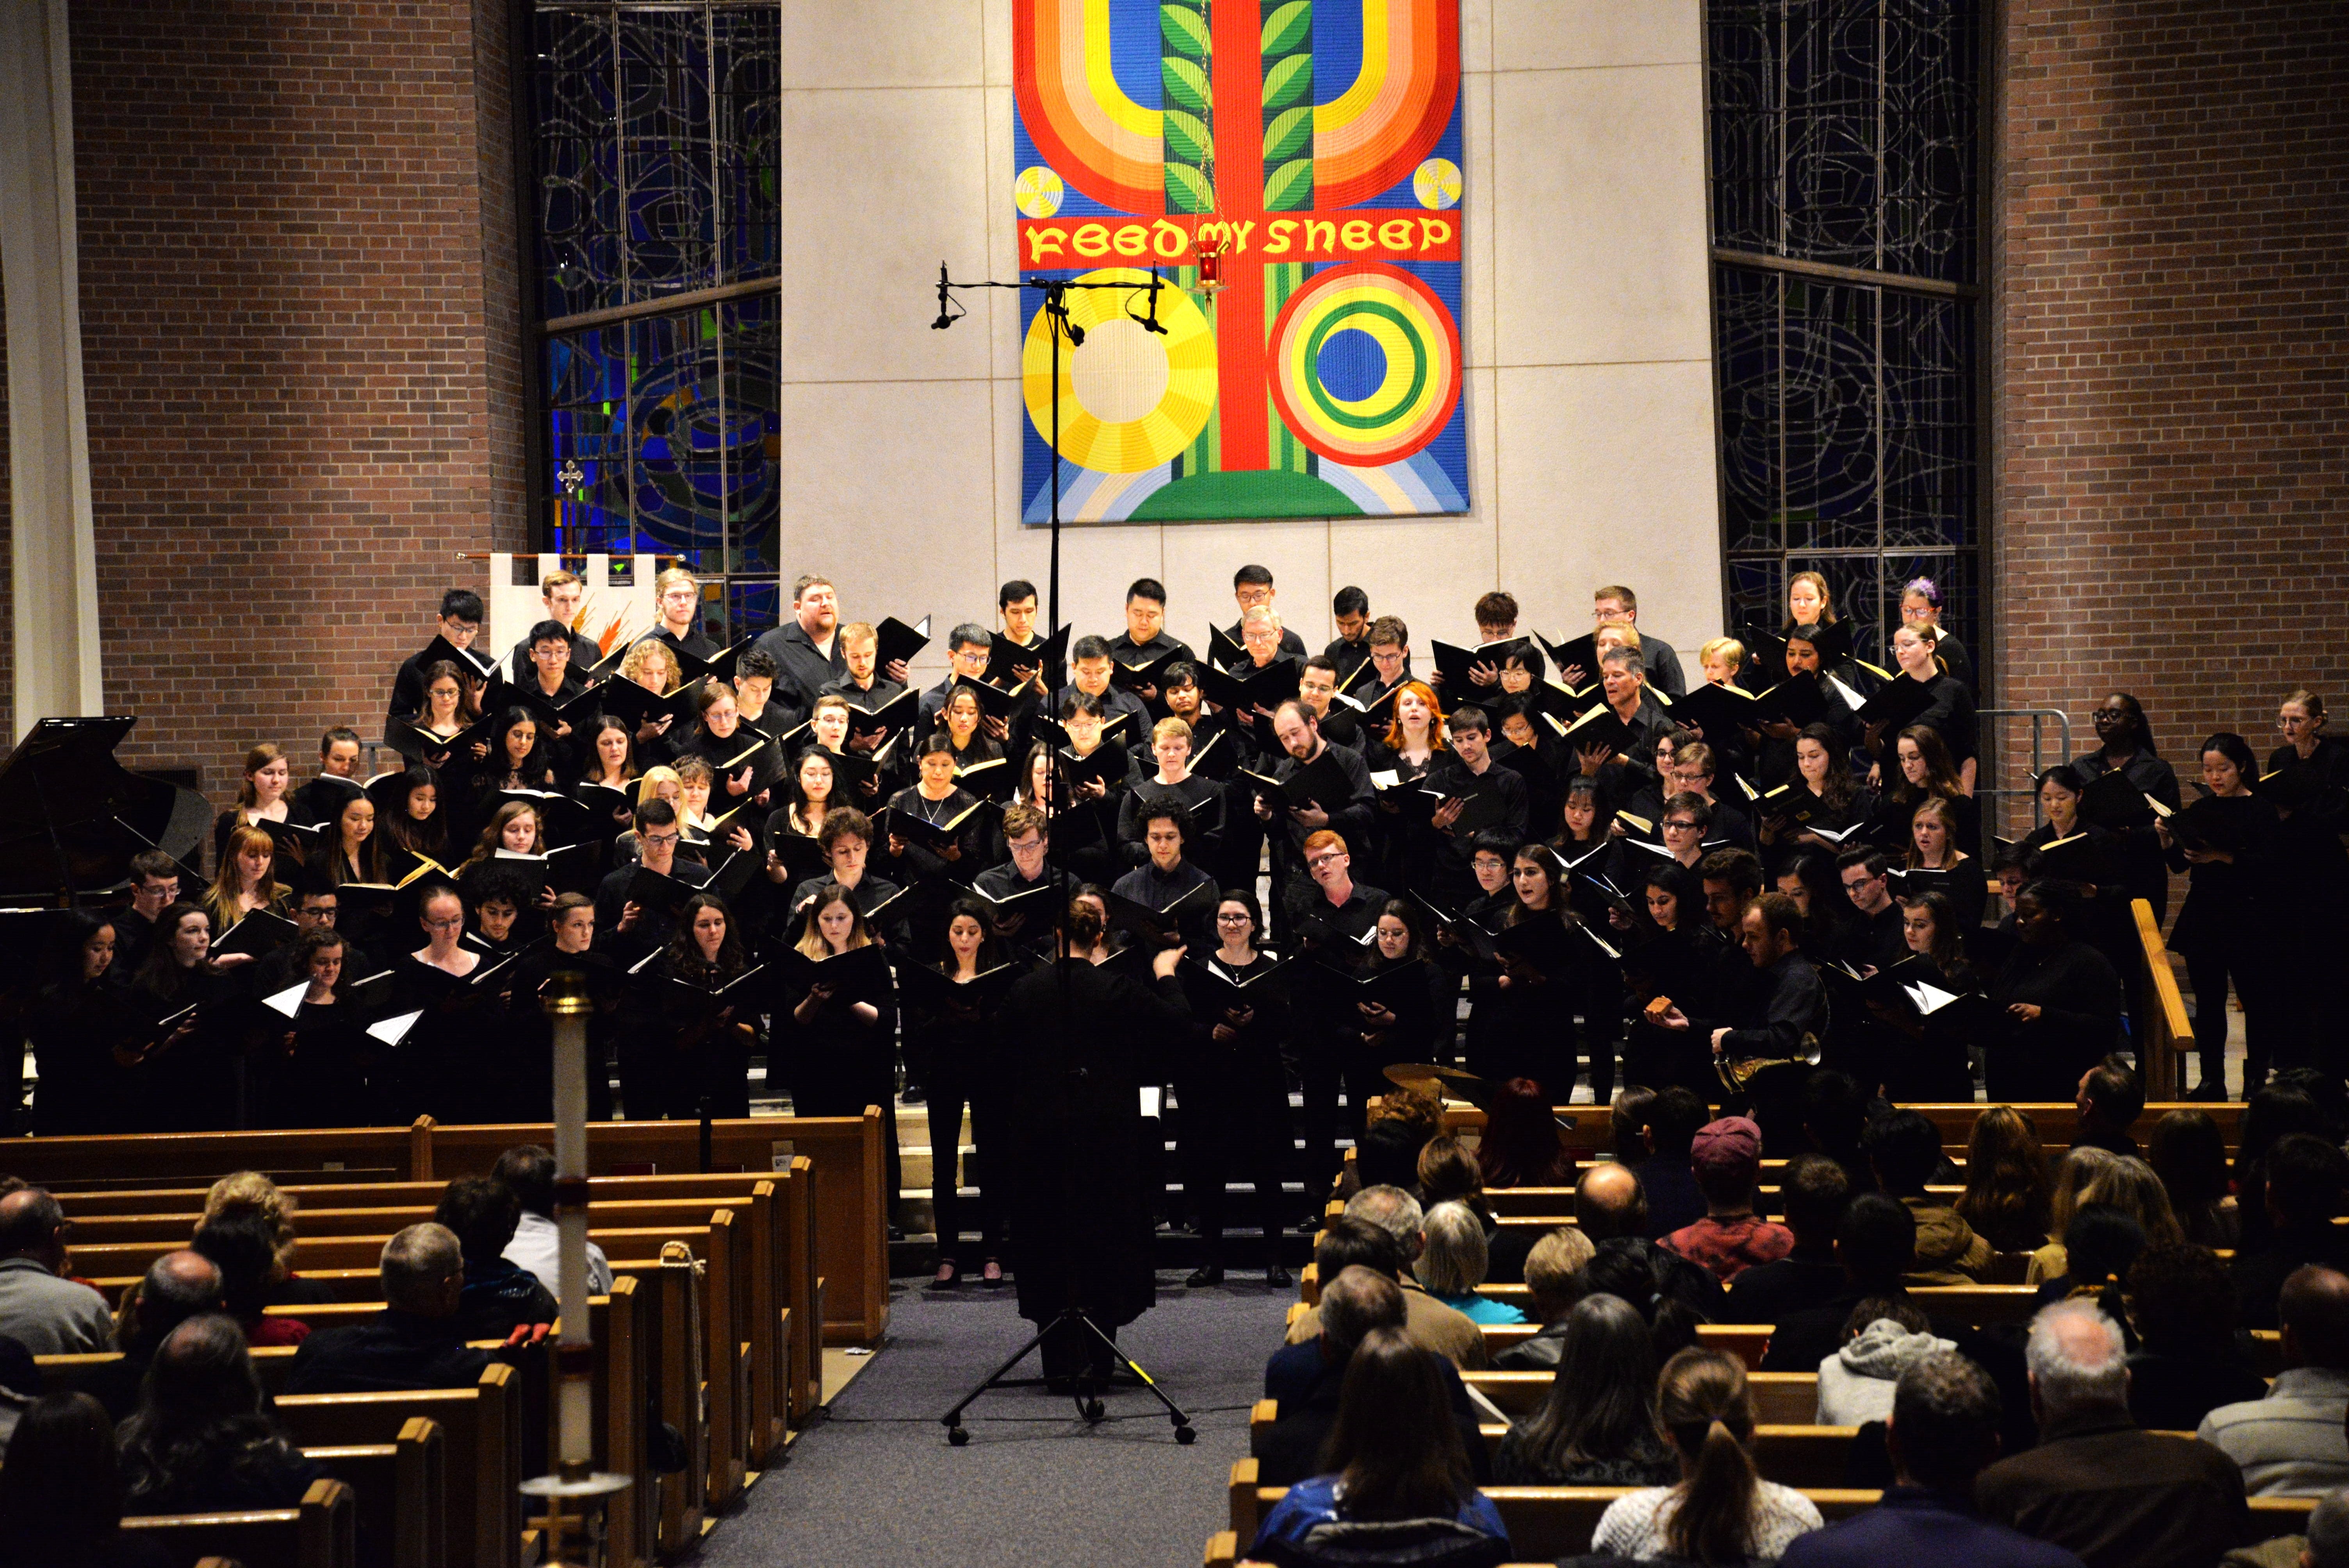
(1076, 1041)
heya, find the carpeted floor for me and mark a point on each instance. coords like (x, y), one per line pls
(876, 1482)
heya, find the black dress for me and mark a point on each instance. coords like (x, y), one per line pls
(451, 1062)
(74, 1031)
(2079, 998)
(1234, 1096)
(951, 1051)
(2227, 930)
(1077, 1042)
(837, 1064)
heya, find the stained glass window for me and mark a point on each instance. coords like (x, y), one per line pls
(657, 221)
(1845, 195)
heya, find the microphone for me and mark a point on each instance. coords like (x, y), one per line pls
(944, 320)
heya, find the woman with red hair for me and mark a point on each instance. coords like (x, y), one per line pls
(1522, 1146)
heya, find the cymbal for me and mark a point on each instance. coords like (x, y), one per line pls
(1445, 1083)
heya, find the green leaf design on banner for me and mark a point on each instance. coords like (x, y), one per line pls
(1289, 81)
(1187, 189)
(1289, 135)
(1287, 27)
(1186, 138)
(1185, 83)
(1290, 187)
(1184, 28)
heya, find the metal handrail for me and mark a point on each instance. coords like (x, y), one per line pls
(1993, 795)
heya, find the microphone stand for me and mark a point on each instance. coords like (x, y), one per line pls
(1086, 1388)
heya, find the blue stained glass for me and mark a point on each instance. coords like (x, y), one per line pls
(658, 143)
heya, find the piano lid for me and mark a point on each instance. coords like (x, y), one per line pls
(61, 792)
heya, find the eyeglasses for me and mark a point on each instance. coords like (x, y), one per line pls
(1329, 858)
(445, 924)
(1234, 918)
(651, 839)
(1684, 826)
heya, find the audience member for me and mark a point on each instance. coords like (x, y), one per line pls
(1903, 1149)
(40, 1309)
(20, 1382)
(2109, 1102)
(1357, 1238)
(1636, 1270)
(418, 1341)
(2275, 1108)
(2007, 1196)
(251, 1192)
(1448, 1173)
(2289, 1443)
(1943, 1429)
(2075, 1174)
(528, 1171)
(2117, 1496)
(1876, 1241)
(1597, 1425)
(2327, 1545)
(177, 1287)
(1451, 1265)
(1668, 1173)
(1835, 1117)
(1730, 1237)
(201, 1441)
(1609, 1205)
(1388, 1156)
(61, 1492)
(2117, 1181)
(242, 1246)
(1306, 1381)
(2189, 1153)
(2099, 1245)
(2303, 1178)
(1554, 1281)
(500, 1295)
(1883, 1338)
(1523, 1145)
(1719, 1510)
(2187, 1362)
(1393, 1458)
(1813, 1191)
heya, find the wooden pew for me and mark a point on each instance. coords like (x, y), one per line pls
(483, 1433)
(782, 1226)
(320, 1534)
(399, 1490)
(845, 1154)
(1545, 1523)
(624, 1339)
(1794, 1454)
(761, 1281)
(2271, 1517)
(1780, 1399)
(1589, 1130)
(64, 1373)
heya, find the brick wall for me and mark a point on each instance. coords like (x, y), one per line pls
(2171, 344)
(7, 571)
(302, 381)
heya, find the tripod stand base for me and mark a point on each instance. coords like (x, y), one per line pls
(1086, 1389)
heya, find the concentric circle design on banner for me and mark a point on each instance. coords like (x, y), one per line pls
(1178, 369)
(1413, 395)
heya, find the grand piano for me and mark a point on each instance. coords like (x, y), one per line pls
(71, 816)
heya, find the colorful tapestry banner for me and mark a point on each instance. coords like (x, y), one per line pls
(1291, 169)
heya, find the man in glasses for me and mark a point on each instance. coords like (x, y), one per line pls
(1618, 605)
